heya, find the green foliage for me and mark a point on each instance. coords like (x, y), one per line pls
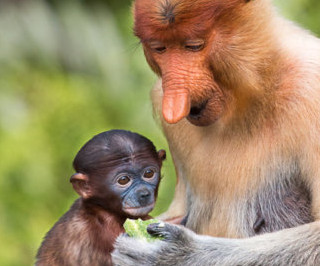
(65, 76)
(138, 229)
(304, 12)
(69, 72)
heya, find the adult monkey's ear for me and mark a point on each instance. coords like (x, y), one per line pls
(80, 183)
(162, 155)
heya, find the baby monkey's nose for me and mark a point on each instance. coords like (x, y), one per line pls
(143, 196)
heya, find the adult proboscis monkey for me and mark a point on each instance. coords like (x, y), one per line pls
(239, 102)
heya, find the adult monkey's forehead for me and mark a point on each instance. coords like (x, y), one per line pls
(179, 18)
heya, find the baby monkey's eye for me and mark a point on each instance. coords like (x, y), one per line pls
(149, 173)
(123, 180)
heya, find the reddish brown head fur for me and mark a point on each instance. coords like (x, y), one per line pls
(177, 19)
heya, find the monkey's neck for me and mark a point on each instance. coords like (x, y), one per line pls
(102, 227)
(100, 214)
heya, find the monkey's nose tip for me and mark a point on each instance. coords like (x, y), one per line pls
(175, 105)
(144, 194)
(172, 119)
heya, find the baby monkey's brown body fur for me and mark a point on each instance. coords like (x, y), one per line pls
(239, 102)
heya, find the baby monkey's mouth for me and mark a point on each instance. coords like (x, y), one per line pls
(139, 211)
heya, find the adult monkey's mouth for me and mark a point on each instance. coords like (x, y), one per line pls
(201, 114)
(197, 110)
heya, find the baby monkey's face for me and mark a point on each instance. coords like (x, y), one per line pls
(120, 172)
(136, 182)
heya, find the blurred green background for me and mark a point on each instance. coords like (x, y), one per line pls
(70, 70)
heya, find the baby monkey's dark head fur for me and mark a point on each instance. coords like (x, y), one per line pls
(119, 171)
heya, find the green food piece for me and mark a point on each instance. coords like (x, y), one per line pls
(138, 229)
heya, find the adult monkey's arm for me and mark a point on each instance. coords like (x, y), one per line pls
(294, 247)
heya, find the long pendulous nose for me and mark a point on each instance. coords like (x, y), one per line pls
(175, 104)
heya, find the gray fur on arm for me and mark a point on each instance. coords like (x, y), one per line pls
(181, 246)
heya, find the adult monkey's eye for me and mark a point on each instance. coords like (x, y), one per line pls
(160, 50)
(149, 173)
(158, 47)
(194, 46)
(123, 180)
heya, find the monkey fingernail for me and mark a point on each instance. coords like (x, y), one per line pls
(153, 229)
(161, 225)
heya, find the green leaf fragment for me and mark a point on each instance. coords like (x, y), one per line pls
(138, 229)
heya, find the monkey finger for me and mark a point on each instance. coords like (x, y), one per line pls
(156, 229)
(171, 233)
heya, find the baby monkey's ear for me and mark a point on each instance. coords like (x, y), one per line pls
(162, 155)
(80, 183)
